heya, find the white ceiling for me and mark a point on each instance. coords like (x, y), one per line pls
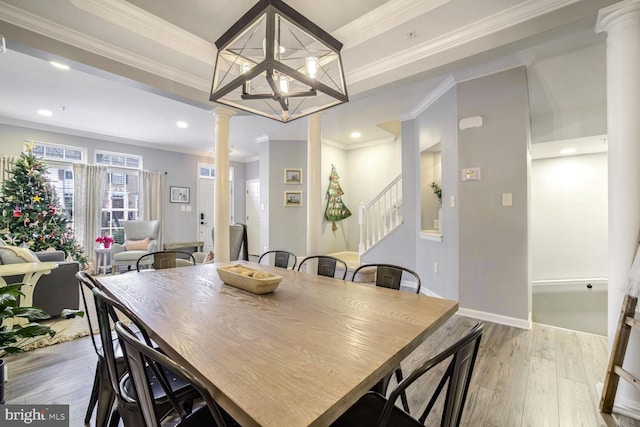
(139, 66)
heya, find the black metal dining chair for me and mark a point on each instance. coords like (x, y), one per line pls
(282, 258)
(102, 394)
(165, 259)
(326, 265)
(145, 365)
(388, 276)
(127, 406)
(374, 409)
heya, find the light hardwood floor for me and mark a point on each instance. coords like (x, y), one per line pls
(542, 377)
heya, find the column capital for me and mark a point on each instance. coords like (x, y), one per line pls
(223, 112)
(626, 12)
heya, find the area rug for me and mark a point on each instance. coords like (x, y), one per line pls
(66, 329)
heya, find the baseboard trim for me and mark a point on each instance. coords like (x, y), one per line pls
(429, 292)
(623, 406)
(496, 318)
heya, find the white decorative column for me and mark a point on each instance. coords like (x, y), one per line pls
(621, 22)
(221, 209)
(314, 191)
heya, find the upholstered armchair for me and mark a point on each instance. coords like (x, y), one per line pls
(141, 237)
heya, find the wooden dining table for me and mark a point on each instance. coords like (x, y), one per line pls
(298, 356)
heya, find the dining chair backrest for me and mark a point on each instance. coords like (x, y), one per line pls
(128, 407)
(458, 373)
(457, 363)
(238, 242)
(326, 265)
(105, 310)
(388, 275)
(102, 394)
(282, 258)
(87, 282)
(165, 259)
(139, 357)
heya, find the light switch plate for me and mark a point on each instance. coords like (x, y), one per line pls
(452, 201)
(507, 199)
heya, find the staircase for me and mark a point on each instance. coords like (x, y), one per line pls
(381, 215)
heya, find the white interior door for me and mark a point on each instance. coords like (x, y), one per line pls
(206, 202)
(253, 216)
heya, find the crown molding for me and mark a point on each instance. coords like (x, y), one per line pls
(349, 147)
(382, 19)
(432, 97)
(99, 136)
(151, 27)
(335, 144)
(479, 29)
(47, 28)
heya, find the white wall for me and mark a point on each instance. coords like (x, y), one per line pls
(493, 239)
(287, 225)
(569, 217)
(338, 240)
(439, 123)
(370, 169)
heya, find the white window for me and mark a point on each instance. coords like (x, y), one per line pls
(122, 198)
(61, 153)
(119, 160)
(207, 172)
(59, 159)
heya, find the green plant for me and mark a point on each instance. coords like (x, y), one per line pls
(437, 191)
(10, 308)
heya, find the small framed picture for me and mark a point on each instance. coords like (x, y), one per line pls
(179, 194)
(293, 176)
(293, 198)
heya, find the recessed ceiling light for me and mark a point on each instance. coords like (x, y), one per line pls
(355, 135)
(567, 151)
(46, 113)
(182, 124)
(60, 65)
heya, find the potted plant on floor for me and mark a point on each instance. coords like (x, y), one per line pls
(10, 335)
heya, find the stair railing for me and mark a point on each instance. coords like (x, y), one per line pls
(381, 215)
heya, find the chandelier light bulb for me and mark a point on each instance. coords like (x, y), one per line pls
(284, 84)
(312, 67)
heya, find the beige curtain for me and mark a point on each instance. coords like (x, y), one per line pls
(6, 162)
(89, 187)
(153, 198)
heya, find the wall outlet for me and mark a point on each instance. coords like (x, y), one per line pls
(436, 224)
(452, 201)
(436, 267)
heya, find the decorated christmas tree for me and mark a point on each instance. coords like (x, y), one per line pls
(336, 210)
(32, 215)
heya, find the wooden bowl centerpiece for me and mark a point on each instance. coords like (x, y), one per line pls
(249, 279)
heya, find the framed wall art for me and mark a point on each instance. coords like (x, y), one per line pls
(293, 198)
(179, 194)
(293, 176)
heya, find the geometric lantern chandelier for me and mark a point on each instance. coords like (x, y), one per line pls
(276, 63)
